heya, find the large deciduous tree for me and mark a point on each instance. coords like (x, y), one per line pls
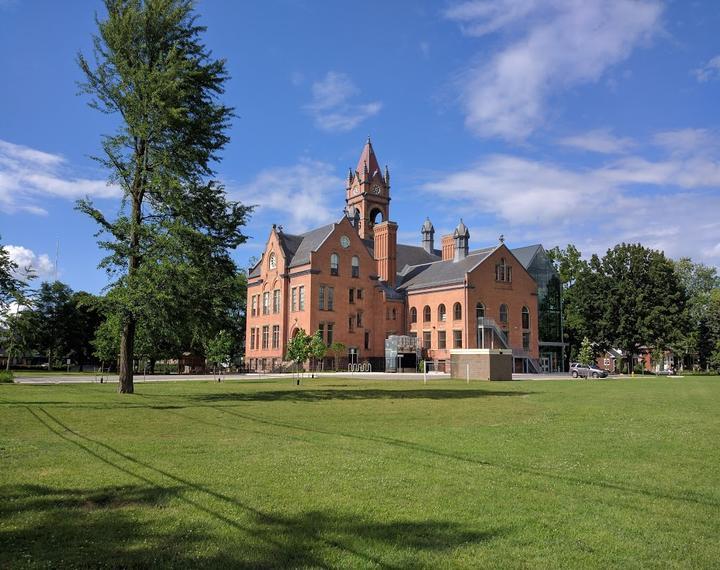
(175, 225)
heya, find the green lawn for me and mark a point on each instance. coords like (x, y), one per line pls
(346, 473)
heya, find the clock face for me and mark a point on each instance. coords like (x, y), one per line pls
(356, 190)
(376, 189)
(345, 242)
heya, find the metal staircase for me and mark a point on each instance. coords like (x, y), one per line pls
(490, 335)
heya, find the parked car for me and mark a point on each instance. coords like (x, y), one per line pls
(578, 370)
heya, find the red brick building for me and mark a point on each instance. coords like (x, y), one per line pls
(355, 284)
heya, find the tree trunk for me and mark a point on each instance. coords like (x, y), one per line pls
(127, 342)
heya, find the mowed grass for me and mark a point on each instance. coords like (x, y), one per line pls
(359, 474)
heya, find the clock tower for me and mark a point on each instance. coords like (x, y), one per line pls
(368, 193)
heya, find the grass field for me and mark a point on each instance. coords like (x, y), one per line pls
(345, 473)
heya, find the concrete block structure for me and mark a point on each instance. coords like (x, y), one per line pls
(354, 283)
(482, 363)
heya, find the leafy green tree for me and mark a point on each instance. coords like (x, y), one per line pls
(699, 282)
(218, 349)
(568, 262)
(152, 71)
(298, 348)
(337, 349)
(317, 348)
(585, 355)
(54, 322)
(16, 335)
(632, 297)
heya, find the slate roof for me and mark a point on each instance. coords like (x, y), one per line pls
(440, 272)
(297, 248)
(526, 254)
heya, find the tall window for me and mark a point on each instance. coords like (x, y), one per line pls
(254, 306)
(394, 314)
(525, 318)
(442, 343)
(334, 263)
(480, 311)
(330, 298)
(427, 339)
(276, 301)
(367, 340)
(301, 298)
(276, 336)
(426, 314)
(503, 272)
(504, 314)
(321, 330)
(457, 311)
(252, 337)
(273, 261)
(266, 303)
(321, 298)
(351, 323)
(330, 327)
(359, 294)
(257, 338)
(457, 339)
(358, 320)
(293, 299)
(265, 336)
(355, 266)
(526, 340)
(351, 296)
(442, 316)
(413, 315)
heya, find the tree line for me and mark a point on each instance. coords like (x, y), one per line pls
(634, 298)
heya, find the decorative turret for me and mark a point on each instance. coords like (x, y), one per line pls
(350, 177)
(428, 236)
(461, 235)
(353, 215)
(387, 176)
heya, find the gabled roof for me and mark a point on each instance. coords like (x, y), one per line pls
(525, 255)
(441, 272)
(298, 247)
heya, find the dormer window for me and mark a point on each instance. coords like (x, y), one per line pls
(503, 272)
(272, 262)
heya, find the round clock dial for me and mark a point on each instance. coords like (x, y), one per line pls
(376, 189)
(345, 242)
(356, 191)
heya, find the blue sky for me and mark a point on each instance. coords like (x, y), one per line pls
(550, 121)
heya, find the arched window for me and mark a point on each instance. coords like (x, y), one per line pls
(503, 272)
(525, 318)
(480, 311)
(457, 311)
(272, 262)
(442, 316)
(503, 314)
(334, 263)
(426, 314)
(413, 315)
(355, 266)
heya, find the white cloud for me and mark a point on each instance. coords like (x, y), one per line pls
(711, 70)
(27, 175)
(331, 105)
(669, 204)
(688, 141)
(26, 259)
(299, 193)
(599, 140)
(555, 44)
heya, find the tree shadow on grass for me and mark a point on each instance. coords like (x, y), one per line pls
(318, 395)
(98, 528)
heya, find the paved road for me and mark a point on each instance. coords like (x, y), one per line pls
(432, 376)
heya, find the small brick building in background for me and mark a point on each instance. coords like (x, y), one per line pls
(354, 283)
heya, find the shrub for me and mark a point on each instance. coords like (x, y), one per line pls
(6, 377)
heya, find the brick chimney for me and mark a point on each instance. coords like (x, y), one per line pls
(448, 247)
(385, 243)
